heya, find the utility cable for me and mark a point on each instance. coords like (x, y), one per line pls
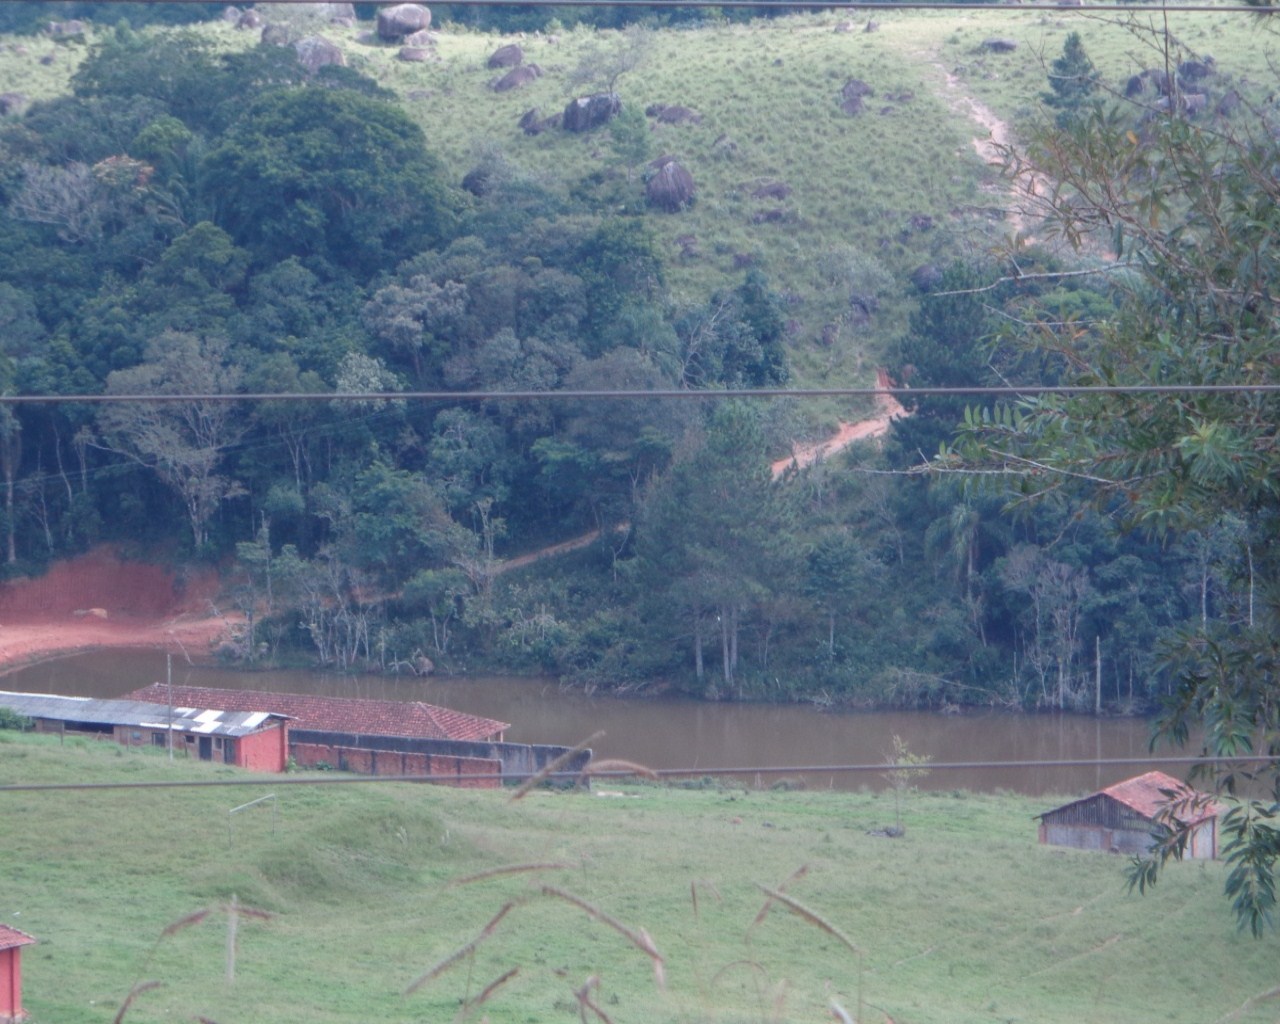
(326, 779)
(683, 394)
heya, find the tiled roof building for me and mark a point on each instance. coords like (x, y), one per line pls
(337, 714)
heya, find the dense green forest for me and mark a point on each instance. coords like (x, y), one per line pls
(206, 211)
(192, 218)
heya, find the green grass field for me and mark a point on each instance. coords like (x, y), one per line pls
(965, 919)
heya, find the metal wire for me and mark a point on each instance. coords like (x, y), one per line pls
(683, 394)
(325, 779)
(807, 5)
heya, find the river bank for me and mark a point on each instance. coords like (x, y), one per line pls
(102, 600)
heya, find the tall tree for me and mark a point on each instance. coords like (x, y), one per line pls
(329, 173)
(182, 441)
(708, 540)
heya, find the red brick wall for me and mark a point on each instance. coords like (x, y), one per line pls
(264, 751)
(10, 983)
(391, 762)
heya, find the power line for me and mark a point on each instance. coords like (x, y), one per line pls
(325, 779)
(786, 6)
(683, 394)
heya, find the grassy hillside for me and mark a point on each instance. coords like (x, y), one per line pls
(872, 196)
(965, 919)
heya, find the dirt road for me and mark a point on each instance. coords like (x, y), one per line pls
(101, 600)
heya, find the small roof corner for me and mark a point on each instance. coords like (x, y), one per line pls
(11, 937)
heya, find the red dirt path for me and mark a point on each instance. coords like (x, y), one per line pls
(847, 433)
(102, 600)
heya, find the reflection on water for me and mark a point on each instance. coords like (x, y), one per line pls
(683, 734)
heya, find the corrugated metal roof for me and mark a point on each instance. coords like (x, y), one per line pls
(136, 713)
(10, 937)
(1148, 795)
(342, 714)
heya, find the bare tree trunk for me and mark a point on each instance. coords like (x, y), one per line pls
(699, 669)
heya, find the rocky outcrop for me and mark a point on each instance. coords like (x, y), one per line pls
(587, 112)
(533, 123)
(315, 52)
(394, 23)
(517, 78)
(852, 94)
(670, 187)
(508, 56)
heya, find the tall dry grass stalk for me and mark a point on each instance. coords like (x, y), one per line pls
(553, 766)
(462, 952)
(510, 869)
(814, 918)
(585, 1002)
(470, 1006)
(234, 911)
(795, 876)
(615, 766)
(637, 937)
(137, 990)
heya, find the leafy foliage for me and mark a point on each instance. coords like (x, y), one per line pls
(1192, 215)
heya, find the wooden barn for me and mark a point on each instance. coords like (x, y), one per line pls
(11, 943)
(1123, 818)
(254, 739)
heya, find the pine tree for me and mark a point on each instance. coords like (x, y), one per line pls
(1072, 79)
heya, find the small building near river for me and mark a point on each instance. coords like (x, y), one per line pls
(252, 738)
(11, 943)
(1124, 818)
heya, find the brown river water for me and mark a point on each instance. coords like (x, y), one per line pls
(767, 742)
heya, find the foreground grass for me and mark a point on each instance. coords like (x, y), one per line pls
(964, 919)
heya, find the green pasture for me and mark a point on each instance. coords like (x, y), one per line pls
(964, 919)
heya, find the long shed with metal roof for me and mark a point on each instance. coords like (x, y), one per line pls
(1125, 817)
(386, 737)
(253, 739)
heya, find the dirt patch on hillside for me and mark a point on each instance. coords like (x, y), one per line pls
(102, 600)
(888, 410)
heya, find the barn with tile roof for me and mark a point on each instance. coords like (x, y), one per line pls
(386, 737)
(11, 943)
(1125, 817)
(340, 714)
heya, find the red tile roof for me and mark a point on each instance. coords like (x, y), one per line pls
(336, 714)
(10, 937)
